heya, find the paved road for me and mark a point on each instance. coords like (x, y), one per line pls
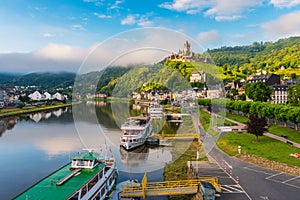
(259, 183)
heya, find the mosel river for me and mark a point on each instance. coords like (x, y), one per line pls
(34, 145)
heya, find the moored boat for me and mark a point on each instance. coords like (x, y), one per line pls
(156, 110)
(88, 176)
(135, 131)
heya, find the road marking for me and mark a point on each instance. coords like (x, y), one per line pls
(274, 175)
(228, 164)
(290, 179)
(264, 197)
(291, 185)
(232, 189)
(258, 171)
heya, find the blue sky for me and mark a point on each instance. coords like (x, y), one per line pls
(57, 35)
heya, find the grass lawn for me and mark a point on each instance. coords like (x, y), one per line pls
(205, 119)
(292, 134)
(238, 118)
(267, 148)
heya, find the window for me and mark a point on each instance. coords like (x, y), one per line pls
(83, 191)
(75, 196)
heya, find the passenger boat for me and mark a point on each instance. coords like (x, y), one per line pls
(88, 176)
(136, 130)
(156, 110)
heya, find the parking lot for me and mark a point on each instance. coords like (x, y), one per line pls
(229, 185)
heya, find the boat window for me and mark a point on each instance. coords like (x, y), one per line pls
(83, 191)
(80, 163)
(103, 191)
(101, 174)
(75, 196)
(134, 140)
(130, 140)
(92, 182)
(123, 140)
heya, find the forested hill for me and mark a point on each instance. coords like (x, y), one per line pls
(46, 80)
(269, 56)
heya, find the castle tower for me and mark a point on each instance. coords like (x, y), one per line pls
(186, 49)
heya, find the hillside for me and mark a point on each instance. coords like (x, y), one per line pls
(270, 56)
(46, 80)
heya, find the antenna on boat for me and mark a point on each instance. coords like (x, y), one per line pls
(89, 150)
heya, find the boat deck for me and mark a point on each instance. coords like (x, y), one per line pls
(47, 188)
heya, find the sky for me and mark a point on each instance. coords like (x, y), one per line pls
(59, 35)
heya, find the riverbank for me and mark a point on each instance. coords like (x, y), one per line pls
(8, 112)
(178, 170)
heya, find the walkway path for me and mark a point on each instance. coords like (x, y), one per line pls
(276, 137)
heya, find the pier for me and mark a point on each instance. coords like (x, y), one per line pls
(145, 189)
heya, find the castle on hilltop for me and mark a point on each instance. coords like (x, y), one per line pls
(186, 55)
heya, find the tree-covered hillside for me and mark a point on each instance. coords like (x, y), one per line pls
(270, 56)
(46, 80)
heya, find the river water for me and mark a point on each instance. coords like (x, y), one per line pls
(34, 145)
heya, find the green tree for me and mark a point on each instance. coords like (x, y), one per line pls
(257, 125)
(258, 91)
(294, 94)
(293, 115)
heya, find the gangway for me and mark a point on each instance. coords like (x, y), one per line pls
(176, 136)
(179, 187)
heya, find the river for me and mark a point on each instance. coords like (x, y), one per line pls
(34, 145)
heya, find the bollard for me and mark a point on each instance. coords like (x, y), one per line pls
(224, 168)
(230, 173)
(237, 180)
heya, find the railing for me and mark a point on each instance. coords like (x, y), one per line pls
(166, 188)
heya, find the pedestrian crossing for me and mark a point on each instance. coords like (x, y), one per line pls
(231, 189)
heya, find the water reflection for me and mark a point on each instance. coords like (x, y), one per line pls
(10, 122)
(135, 157)
(45, 141)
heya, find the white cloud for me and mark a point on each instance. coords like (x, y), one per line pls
(284, 3)
(145, 23)
(140, 20)
(102, 16)
(78, 27)
(116, 5)
(61, 52)
(129, 20)
(96, 2)
(209, 38)
(138, 46)
(218, 9)
(285, 26)
(48, 35)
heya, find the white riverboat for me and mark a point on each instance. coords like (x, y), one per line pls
(88, 176)
(156, 110)
(136, 130)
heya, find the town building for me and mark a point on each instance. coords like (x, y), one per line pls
(37, 96)
(198, 77)
(268, 79)
(279, 94)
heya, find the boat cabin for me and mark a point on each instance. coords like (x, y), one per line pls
(87, 160)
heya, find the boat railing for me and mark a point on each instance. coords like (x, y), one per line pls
(66, 178)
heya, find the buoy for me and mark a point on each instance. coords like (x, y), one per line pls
(224, 168)
(230, 173)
